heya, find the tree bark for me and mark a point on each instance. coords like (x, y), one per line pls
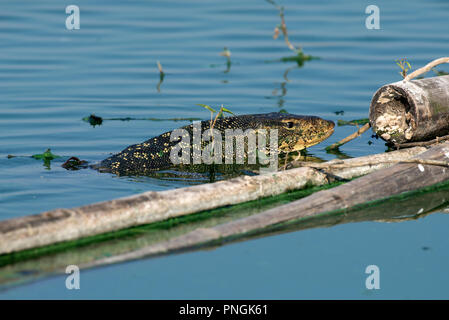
(409, 111)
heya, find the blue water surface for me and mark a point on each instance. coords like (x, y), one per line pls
(51, 77)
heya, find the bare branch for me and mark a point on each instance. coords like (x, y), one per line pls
(426, 68)
(350, 137)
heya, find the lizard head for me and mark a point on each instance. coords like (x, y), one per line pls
(297, 132)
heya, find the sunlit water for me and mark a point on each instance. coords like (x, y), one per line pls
(50, 78)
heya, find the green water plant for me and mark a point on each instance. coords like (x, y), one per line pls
(439, 73)
(404, 65)
(219, 113)
(46, 155)
(213, 121)
(93, 120)
(73, 163)
(227, 54)
(300, 57)
(161, 76)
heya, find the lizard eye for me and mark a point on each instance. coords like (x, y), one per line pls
(290, 124)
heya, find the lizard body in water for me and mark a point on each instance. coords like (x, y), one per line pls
(295, 133)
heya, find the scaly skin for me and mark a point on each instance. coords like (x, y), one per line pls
(294, 133)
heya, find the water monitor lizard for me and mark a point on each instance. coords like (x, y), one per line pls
(295, 133)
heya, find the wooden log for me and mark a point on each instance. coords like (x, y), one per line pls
(70, 224)
(376, 186)
(356, 167)
(395, 210)
(408, 111)
(414, 206)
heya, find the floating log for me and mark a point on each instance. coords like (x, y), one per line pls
(70, 224)
(373, 188)
(410, 111)
(410, 207)
(414, 206)
(379, 185)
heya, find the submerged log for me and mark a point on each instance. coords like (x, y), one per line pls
(409, 111)
(70, 224)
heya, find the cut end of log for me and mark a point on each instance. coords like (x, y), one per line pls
(391, 117)
(407, 111)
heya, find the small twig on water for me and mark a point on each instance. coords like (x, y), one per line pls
(161, 76)
(352, 122)
(227, 53)
(349, 138)
(159, 67)
(285, 32)
(96, 120)
(421, 143)
(283, 28)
